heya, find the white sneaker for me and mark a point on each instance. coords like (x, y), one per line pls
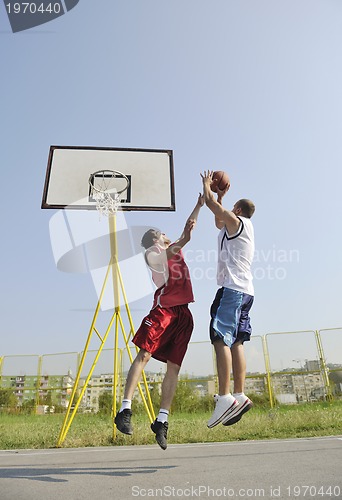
(244, 406)
(225, 407)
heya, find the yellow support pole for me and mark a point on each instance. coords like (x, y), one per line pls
(323, 367)
(268, 370)
(1, 364)
(128, 312)
(114, 261)
(116, 291)
(39, 374)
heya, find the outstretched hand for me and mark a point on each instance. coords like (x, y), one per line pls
(200, 200)
(207, 178)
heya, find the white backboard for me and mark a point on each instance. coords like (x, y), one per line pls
(150, 172)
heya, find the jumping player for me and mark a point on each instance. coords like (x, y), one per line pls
(165, 332)
(230, 323)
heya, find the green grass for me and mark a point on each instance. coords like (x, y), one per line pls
(42, 431)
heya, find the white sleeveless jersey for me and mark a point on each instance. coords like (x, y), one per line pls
(235, 256)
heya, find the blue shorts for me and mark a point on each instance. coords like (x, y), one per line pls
(230, 316)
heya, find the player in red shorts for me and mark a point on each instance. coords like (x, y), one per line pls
(165, 332)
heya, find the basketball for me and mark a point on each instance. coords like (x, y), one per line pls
(220, 181)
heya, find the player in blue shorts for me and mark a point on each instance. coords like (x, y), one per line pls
(230, 323)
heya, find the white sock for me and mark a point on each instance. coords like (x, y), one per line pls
(240, 396)
(163, 415)
(226, 396)
(126, 404)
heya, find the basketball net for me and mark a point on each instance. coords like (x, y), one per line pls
(106, 204)
(105, 192)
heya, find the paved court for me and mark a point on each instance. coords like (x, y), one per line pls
(292, 468)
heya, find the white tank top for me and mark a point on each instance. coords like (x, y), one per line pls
(235, 256)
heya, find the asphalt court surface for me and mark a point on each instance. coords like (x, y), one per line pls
(291, 468)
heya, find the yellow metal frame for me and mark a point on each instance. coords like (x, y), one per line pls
(323, 366)
(1, 364)
(116, 320)
(268, 370)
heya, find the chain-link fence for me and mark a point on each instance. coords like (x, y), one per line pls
(285, 367)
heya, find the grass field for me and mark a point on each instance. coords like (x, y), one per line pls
(42, 431)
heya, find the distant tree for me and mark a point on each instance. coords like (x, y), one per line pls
(139, 407)
(59, 408)
(260, 400)
(28, 406)
(46, 399)
(105, 403)
(186, 398)
(336, 379)
(155, 396)
(8, 401)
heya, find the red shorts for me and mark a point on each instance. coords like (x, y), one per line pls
(165, 333)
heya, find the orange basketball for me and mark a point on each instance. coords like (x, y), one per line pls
(220, 181)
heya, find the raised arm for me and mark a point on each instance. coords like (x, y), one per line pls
(223, 217)
(220, 194)
(200, 202)
(189, 225)
(158, 259)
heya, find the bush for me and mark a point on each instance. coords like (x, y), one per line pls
(188, 399)
(28, 407)
(260, 400)
(8, 401)
(139, 407)
(105, 403)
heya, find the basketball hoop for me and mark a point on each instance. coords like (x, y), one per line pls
(105, 190)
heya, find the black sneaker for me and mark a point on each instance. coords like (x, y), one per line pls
(160, 430)
(123, 421)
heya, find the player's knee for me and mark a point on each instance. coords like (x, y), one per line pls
(144, 356)
(172, 367)
(238, 344)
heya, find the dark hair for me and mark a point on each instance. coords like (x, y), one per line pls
(247, 207)
(148, 237)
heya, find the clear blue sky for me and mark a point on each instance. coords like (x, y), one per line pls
(250, 87)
